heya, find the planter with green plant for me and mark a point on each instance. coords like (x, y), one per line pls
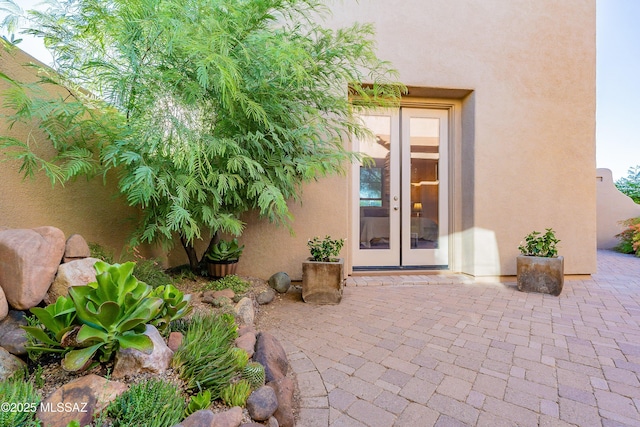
(323, 273)
(222, 258)
(539, 268)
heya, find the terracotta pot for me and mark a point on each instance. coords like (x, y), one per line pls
(222, 268)
(540, 274)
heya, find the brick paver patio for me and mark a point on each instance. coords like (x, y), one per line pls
(449, 352)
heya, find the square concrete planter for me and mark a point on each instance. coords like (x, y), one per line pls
(540, 274)
(322, 282)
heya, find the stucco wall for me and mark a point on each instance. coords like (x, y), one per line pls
(527, 138)
(86, 208)
(529, 147)
(613, 207)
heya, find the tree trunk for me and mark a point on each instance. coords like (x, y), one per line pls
(214, 241)
(191, 254)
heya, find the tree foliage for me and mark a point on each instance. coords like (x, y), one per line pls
(206, 108)
(631, 184)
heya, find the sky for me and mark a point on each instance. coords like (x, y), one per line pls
(617, 82)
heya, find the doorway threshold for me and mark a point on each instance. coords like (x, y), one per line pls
(413, 269)
(407, 278)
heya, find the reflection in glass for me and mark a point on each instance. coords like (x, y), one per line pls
(425, 145)
(374, 184)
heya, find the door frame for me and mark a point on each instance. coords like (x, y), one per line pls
(453, 107)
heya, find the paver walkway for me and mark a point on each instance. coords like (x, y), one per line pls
(470, 353)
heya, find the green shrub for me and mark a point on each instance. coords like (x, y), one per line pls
(630, 185)
(151, 272)
(538, 244)
(233, 282)
(325, 250)
(152, 403)
(236, 394)
(17, 391)
(206, 359)
(629, 237)
(100, 252)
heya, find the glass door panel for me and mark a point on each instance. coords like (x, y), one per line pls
(424, 194)
(376, 205)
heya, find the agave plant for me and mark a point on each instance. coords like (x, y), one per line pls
(58, 319)
(175, 306)
(113, 311)
(225, 251)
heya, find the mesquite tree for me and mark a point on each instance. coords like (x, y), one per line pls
(206, 108)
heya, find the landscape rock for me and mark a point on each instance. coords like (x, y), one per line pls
(79, 399)
(227, 293)
(29, 260)
(229, 418)
(273, 422)
(72, 273)
(245, 311)
(262, 403)
(284, 389)
(271, 354)
(130, 361)
(247, 342)
(201, 418)
(217, 302)
(4, 305)
(76, 248)
(175, 340)
(245, 329)
(266, 296)
(251, 425)
(280, 282)
(9, 364)
(12, 337)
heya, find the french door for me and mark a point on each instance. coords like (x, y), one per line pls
(400, 211)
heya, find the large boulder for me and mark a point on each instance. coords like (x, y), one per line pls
(79, 400)
(284, 389)
(29, 260)
(9, 364)
(130, 361)
(73, 273)
(76, 248)
(262, 403)
(245, 312)
(4, 305)
(280, 282)
(270, 354)
(12, 337)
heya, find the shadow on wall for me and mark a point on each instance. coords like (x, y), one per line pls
(612, 207)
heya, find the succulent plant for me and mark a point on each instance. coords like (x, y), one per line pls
(253, 372)
(175, 306)
(201, 400)
(113, 311)
(225, 251)
(57, 318)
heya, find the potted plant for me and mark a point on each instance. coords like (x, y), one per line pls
(323, 273)
(222, 258)
(539, 268)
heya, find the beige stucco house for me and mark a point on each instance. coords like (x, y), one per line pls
(495, 139)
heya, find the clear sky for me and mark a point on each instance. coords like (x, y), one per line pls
(618, 85)
(618, 82)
